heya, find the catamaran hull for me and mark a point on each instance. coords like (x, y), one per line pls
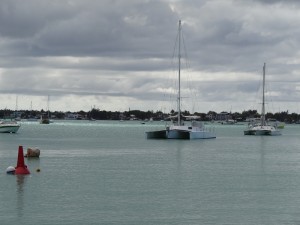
(160, 134)
(179, 134)
(202, 135)
(262, 132)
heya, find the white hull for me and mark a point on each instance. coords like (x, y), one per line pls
(181, 132)
(9, 128)
(262, 131)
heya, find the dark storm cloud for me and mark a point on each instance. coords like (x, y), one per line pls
(124, 48)
(276, 1)
(84, 28)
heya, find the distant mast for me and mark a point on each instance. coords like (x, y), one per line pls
(263, 119)
(16, 111)
(48, 106)
(179, 66)
(16, 102)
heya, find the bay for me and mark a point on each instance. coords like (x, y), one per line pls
(106, 172)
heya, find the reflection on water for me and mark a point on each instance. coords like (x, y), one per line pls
(262, 146)
(179, 156)
(20, 194)
(129, 180)
(34, 163)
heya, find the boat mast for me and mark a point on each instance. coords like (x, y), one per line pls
(179, 64)
(48, 107)
(16, 112)
(263, 119)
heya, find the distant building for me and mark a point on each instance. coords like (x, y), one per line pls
(223, 116)
(16, 115)
(133, 117)
(73, 116)
(210, 116)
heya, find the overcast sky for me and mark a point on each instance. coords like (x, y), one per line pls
(118, 54)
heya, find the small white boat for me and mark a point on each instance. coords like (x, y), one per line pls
(262, 128)
(45, 119)
(9, 126)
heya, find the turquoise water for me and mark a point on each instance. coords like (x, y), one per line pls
(106, 172)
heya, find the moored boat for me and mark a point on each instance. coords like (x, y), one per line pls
(262, 127)
(9, 126)
(44, 120)
(195, 130)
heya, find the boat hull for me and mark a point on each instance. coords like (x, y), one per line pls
(202, 135)
(9, 129)
(180, 134)
(44, 121)
(160, 134)
(263, 131)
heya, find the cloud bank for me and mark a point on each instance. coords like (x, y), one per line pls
(116, 55)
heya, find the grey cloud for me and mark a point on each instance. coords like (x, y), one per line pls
(118, 48)
(276, 1)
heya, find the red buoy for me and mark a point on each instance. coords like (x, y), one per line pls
(21, 168)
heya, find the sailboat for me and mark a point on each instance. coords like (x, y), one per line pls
(195, 130)
(45, 119)
(262, 128)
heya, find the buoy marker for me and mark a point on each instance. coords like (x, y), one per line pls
(10, 170)
(21, 168)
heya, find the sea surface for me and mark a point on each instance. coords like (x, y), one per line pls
(106, 172)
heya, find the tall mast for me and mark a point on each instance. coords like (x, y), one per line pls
(16, 102)
(48, 107)
(263, 102)
(16, 110)
(179, 64)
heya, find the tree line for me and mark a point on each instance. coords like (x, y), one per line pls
(98, 114)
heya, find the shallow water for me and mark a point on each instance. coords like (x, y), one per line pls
(106, 172)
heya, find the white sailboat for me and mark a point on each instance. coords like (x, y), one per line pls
(262, 128)
(196, 130)
(45, 119)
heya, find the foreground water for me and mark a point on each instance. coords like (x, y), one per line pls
(107, 173)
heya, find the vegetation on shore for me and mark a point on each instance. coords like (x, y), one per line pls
(98, 114)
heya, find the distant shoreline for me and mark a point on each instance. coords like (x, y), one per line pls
(96, 114)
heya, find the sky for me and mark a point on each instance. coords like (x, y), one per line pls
(117, 55)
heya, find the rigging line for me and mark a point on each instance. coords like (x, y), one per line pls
(269, 96)
(168, 96)
(174, 66)
(185, 51)
(257, 96)
(175, 47)
(189, 80)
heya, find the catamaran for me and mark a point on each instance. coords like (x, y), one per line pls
(262, 128)
(196, 130)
